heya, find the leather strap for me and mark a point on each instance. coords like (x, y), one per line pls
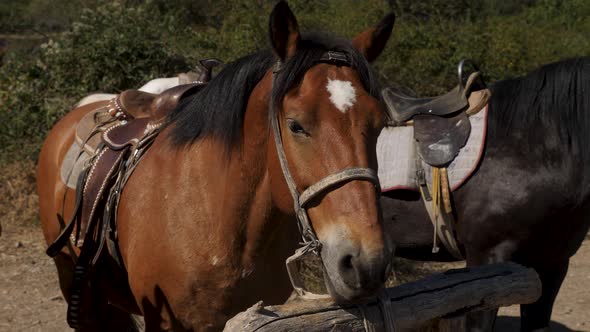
(344, 176)
(387, 310)
(331, 180)
(442, 221)
(64, 236)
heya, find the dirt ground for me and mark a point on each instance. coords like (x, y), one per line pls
(30, 299)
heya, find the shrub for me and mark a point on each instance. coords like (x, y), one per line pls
(424, 53)
(119, 44)
(111, 48)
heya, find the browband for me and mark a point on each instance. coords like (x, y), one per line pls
(332, 57)
(336, 58)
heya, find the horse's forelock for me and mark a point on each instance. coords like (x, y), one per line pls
(311, 48)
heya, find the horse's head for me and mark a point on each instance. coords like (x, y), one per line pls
(330, 115)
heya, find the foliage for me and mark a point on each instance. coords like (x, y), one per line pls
(504, 43)
(244, 27)
(117, 44)
(110, 48)
(38, 15)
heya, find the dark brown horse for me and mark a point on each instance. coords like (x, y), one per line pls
(529, 199)
(207, 219)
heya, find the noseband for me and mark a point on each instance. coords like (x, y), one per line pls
(311, 243)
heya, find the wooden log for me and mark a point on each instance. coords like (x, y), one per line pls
(413, 305)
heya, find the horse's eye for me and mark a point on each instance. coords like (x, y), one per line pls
(295, 127)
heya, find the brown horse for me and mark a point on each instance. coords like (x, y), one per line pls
(207, 219)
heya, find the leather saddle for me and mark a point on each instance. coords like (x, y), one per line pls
(139, 104)
(124, 122)
(116, 136)
(135, 104)
(441, 124)
(441, 128)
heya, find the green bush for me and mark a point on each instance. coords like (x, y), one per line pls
(111, 48)
(424, 53)
(18, 16)
(117, 44)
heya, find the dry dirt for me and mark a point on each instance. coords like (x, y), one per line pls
(30, 299)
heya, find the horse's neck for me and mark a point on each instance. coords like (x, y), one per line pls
(271, 223)
(248, 183)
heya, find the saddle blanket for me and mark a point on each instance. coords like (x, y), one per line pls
(398, 157)
(73, 164)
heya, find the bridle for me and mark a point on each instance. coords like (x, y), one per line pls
(310, 242)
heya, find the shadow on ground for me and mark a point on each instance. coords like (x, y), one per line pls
(512, 324)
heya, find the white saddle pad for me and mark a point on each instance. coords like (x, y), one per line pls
(72, 167)
(398, 158)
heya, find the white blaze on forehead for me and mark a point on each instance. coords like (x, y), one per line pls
(342, 94)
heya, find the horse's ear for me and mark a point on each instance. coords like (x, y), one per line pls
(283, 31)
(371, 42)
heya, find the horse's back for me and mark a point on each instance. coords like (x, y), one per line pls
(50, 187)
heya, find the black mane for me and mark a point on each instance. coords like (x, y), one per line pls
(552, 102)
(218, 109)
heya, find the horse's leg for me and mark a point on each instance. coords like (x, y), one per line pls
(481, 321)
(536, 316)
(115, 319)
(484, 321)
(106, 317)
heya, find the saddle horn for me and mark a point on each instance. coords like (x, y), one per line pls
(208, 65)
(477, 84)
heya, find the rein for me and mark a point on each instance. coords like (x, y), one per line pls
(310, 242)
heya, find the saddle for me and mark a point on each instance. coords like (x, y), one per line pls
(115, 136)
(441, 129)
(139, 104)
(135, 104)
(441, 126)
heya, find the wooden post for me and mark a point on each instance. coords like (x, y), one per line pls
(414, 306)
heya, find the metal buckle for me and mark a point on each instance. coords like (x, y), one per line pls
(277, 67)
(335, 57)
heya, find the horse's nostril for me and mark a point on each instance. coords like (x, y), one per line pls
(347, 262)
(348, 271)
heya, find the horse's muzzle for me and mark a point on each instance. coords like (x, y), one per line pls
(352, 273)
